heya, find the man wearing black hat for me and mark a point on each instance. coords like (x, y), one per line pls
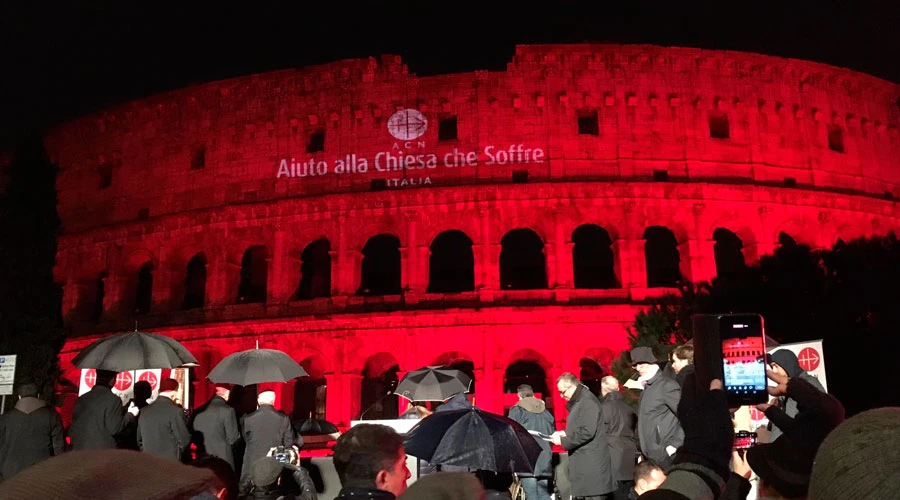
(98, 415)
(162, 430)
(785, 362)
(659, 430)
(215, 428)
(786, 464)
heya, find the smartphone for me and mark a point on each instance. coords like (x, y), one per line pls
(732, 347)
(744, 440)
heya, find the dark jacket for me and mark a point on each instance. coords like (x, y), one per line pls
(788, 360)
(98, 415)
(681, 376)
(262, 430)
(301, 477)
(590, 471)
(620, 421)
(29, 433)
(658, 424)
(532, 413)
(162, 430)
(215, 429)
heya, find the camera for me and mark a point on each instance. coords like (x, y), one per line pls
(744, 440)
(289, 456)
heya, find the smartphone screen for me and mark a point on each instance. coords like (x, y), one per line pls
(743, 358)
(744, 440)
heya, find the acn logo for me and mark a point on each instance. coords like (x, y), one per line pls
(407, 124)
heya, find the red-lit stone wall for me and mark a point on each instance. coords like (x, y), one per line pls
(197, 170)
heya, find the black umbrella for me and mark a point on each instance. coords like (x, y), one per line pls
(134, 351)
(256, 366)
(473, 438)
(314, 427)
(432, 383)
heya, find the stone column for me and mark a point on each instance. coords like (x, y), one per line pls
(351, 394)
(698, 262)
(334, 399)
(765, 241)
(631, 263)
(113, 289)
(278, 285)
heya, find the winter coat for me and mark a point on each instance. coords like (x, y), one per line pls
(532, 413)
(459, 401)
(788, 360)
(301, 477)
(215, 429)
(162, 430)
(620, 421)
(590, 470)
(658, 425)
(263, 430)
(98, 415)
(29, 433)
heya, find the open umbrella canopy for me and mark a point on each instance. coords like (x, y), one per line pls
(134, 351)
(432, 383)
(473, 438)
(256, 366)
(314, 427)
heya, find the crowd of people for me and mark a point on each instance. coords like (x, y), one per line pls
(677, 444)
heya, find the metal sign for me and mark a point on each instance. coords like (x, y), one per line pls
(7, 373)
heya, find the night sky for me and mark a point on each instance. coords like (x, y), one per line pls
(64, 60)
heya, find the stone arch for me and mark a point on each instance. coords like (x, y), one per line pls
(850, 232)
(591, 373)
(90, 292)
(802, 230)
(431, 227)
(310, 393)
(315, 271)
(379, 381)
(137, 271)
(593, 261)
(195, 282)
(728, 253)
(523, 263)
(662, 257)
(254, 275)
(381, 266)
(527, 366)
(451, 266)
(389, 225)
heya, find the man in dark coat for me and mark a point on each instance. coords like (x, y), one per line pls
(29, 433)
(620, 421)
(659, 430)
(263, 430)
(215, 428)
(784, 361)
(532, 413)
(98, 415)
(590, 471)
(162, 430)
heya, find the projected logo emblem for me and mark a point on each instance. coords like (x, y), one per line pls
(407, 124)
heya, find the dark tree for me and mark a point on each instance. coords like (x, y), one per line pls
(30, 300)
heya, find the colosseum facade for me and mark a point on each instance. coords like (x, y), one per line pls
(369, 221)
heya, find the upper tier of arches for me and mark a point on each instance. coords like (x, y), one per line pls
(557, 113)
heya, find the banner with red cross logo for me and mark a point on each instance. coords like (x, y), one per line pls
(124, 386)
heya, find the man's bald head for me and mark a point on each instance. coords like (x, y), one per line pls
(608, 384)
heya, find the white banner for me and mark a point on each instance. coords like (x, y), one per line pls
(124, 387)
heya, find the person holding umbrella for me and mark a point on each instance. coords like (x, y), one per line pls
(98, 415)
(265, 429)
(162, 430)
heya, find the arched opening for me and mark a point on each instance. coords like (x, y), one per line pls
(254, 275)
(522, 262)
(592, 258)
(381, 266)
(590, 374)
(728, 253)
(195, 283)
(143, 290)
(661, 252)
(451, 268)
(90, 290)
(315, 271)
(526, 372)
(379, 381)
(786, 241)
(310, 393)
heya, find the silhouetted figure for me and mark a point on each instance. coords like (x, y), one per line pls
(215, 427)
(98, 415)
(29, 433)
(265, 429)
(162, 430)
